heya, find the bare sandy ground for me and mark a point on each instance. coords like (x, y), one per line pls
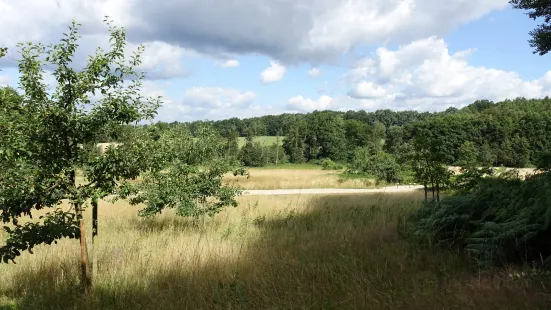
(317, 191)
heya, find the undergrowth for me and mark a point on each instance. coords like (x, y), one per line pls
(500, 221)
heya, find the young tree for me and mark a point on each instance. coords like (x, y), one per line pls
(252, 153)
(48, 136)
(374, 162)
(294, 143)
(427, 163)
(231, 144)
(185, 174)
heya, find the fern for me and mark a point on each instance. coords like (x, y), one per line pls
(501, 220)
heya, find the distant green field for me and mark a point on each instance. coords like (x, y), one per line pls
(291, 166)
(264, 140)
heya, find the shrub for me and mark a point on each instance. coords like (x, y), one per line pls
(378, 164)
(328, 164)
(502, 220)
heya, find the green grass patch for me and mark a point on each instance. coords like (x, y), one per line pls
(305, 166)
(264, 140)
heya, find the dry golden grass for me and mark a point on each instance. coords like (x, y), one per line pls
(297, 179)
(276, 252)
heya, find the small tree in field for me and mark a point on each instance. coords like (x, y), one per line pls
(48, 135)
(427, 165)
(186, 175)
(252, 153)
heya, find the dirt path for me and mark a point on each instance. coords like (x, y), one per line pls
(317, 191)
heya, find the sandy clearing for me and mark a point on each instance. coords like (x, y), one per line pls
(318, 191)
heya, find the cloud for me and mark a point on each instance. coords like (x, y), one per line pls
(367, 90)
(30, 20)
(231, 63)
(4, 80)
(424, 75)
(307, 105)
(291, 31)
(287, 31)
(211, 103)
(273, 73)
(217, 97)
(314, 72)
(161, 60)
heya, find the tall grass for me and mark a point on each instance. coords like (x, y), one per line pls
(277, 252)
(297, 178)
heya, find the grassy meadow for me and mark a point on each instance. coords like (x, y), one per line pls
(297, 179)
(264, 140)
(278, 252)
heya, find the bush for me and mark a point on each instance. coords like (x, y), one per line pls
(502, 220)
(378, 164)
(328, 164)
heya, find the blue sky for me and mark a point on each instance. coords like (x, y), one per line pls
(369, 54)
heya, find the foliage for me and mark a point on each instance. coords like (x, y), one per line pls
(294, 143)
(231, 144)
(186, 174)
(427, 162)
(252, 153)
(275, 154)
(541, 35)
(328, 164)
(48, 135)
(501, 220)
(511, 133)
(376, 163)
(544, 161)
(468, 154)
(325, 136)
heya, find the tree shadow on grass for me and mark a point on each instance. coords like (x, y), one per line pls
(162, 224)
(337, 252)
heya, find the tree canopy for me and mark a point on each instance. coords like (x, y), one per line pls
(541, 35)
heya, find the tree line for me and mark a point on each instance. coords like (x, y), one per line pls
(510, 133)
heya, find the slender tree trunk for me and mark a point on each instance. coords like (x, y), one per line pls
(437, 191)
(432, 185)
(277, 150)
(94, 234)
(85, 279)
(426, 191)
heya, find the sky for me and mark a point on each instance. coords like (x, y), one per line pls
(216, 59)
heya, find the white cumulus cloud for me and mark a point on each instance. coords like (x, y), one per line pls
(273, 73)
(212, 103)
(307, 105)
(367, 90)
(314, 72)
(424, 75)
(217, 97)
(231, 63)
(161, 60)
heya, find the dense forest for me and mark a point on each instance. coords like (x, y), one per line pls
(511, 133)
